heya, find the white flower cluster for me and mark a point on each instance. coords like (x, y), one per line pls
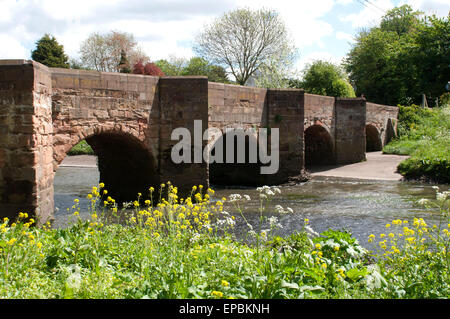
(227, 221)
(311, 232)
(273, 222)
(280, 210)
(235, 197)
(441, 197)
(238, 197)
(267, 191)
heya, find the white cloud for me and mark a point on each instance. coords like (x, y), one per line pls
(345, 36)
(318, 55)
(164, 27)
(11, 48)
(370, 13)
(344, 2)
(438, 7)
(302, 18)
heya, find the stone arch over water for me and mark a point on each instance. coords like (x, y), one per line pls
(243, 170)
(318, 146)
(373, 139)
(126, 165)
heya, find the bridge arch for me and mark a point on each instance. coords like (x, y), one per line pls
(246, 173)
(318, 146)
(373, 139)
(125, 163)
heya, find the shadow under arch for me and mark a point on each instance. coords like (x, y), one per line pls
(126, 166)
(231, 172)
(318, 146)
(373, 139)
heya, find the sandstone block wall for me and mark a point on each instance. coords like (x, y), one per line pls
(350, 119)
(182, 100)
(384, 118)
(26, 132)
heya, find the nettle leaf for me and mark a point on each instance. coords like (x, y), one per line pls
(355, 274)
(313, 289)
(291, 285)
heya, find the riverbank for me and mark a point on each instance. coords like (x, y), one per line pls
(378, 166)
(424, 134)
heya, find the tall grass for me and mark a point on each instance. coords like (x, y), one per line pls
(185, 248)
(424, 134)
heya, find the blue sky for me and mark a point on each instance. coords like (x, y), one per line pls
(321, 29)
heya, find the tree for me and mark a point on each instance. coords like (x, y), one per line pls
(432, 56)
(139, 68)
(173, 66)
(200, 66)
(153, 69)
(276, 72)
(326, 78)
(243, 40)
(103, 52)
(406, 56)
(124, 65)
(50, 53)
(147, 69)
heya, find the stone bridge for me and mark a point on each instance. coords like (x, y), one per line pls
(128, 121)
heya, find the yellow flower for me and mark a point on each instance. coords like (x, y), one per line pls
(318, 246)
(101, 185)
(388, 225)
(225, 283)
(217, 294)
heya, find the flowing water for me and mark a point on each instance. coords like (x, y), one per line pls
(362, 207)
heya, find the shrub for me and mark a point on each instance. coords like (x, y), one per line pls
(82, 148)
(424, 134)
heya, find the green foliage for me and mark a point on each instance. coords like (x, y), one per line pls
(403, 58)
(424, 134)
(168, 250)
(195, 66)
(169, 69)
(325, 78)
(82, 148)
(50, 53)
(199, 66)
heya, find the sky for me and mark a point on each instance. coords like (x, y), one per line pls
(320, 29)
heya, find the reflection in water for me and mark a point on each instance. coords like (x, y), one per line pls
(362, 207)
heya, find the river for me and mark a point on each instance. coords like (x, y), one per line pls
(362, 207)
